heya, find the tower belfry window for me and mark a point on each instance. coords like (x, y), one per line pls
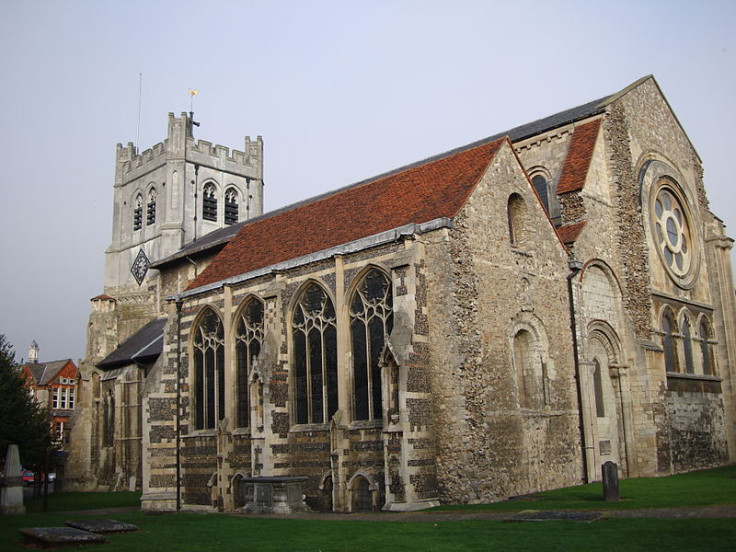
(231, 206)
(209, 202)
(151, 207)
(138, 213)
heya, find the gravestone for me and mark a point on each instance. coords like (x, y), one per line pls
(102, 525)
(59, 536)
(610, 482)
(11, 488)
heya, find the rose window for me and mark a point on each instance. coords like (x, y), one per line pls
(673, 232)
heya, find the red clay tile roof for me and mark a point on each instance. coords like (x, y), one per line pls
(569, 234)
(426, 191)
(577, 162)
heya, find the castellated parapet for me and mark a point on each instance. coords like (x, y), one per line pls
(174, 193)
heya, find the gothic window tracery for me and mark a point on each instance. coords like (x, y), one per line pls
(151, 207)
(248, 343)
(231, 206)
(209, 372)
(371, 320)
(314, 357)
(138, 212)
(209, 202)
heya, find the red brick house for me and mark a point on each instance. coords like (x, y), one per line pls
(54, 384)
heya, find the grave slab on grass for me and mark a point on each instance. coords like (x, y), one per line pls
(102, 525)
(60, 536)
(534, 515)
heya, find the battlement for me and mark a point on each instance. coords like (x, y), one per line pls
(180, 143)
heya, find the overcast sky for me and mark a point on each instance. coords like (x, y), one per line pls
(340, 91)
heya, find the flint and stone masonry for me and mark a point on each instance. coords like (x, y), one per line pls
(496, 320)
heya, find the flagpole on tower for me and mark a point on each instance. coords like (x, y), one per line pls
(192, 92)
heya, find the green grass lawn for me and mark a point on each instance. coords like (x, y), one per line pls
(194, 532)
(702, 488)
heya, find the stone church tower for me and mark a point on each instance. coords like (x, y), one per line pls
(168, 198)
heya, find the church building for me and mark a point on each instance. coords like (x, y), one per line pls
(496, 320)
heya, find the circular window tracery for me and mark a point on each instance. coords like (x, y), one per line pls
(672, 232)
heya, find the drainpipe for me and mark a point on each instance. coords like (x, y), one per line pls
(575, 267)
(178, 404)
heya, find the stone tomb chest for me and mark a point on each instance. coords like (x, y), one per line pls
(273, 495)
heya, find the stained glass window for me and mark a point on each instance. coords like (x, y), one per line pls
(248, 342)
(315, 357)
(209, 372)
(371, 320)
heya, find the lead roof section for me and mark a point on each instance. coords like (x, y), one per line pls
(144, 346)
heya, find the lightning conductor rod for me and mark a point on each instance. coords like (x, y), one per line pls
(140, 95)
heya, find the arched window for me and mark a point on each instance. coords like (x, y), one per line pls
(151, 207)
(600, 408)
(108, 423)
(209, 202)
(209, 371)
(231, 206)
(540, 185)
(315, 357)
(516, 212)
(668, 342)
(371, 320)
(248, 342)
(138, 212)
(530, 372)
(687, 346)
(706, 350)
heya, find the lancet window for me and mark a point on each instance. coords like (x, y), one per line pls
(314, 357)
(706, 350)
(540, 185)
(209, 371)
(687, 347)
(371, 320)
(600, 408)
(248, 343)
(209, 202)
(668, 342)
